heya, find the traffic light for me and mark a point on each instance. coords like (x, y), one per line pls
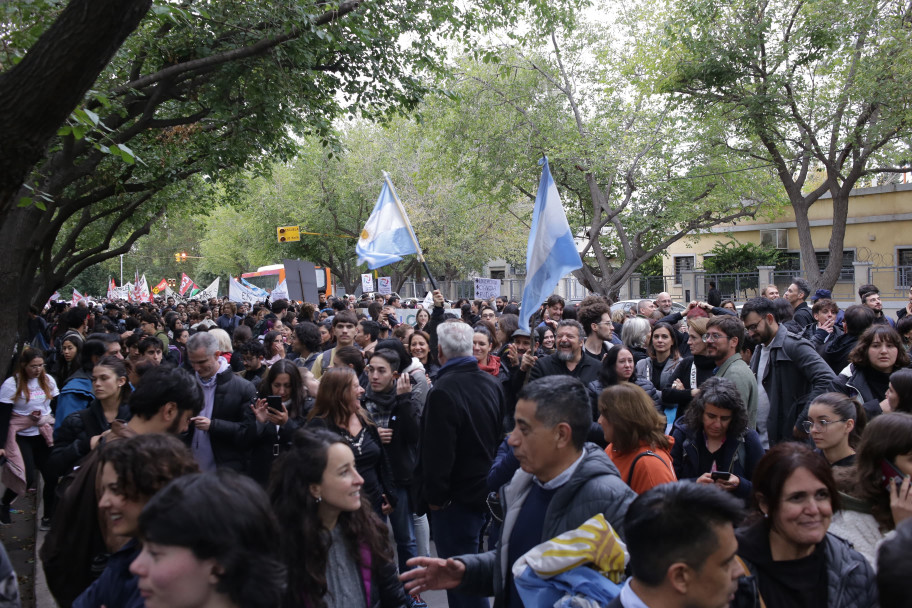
(177, 257)
(183, 256)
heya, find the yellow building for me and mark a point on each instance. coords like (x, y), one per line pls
(877, 246)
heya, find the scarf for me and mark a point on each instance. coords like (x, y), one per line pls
(493, 366)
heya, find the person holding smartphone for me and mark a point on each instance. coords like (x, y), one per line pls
(713, 444)
(877, 489)
(281, 410)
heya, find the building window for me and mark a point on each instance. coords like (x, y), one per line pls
(791, 261)
(682, 264)
(904, 267)
(498, 274)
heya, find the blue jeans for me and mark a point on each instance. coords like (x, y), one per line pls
(456, 530)
(403, 529)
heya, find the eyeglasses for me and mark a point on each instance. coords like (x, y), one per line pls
(714, 337)
(807, 425)
(753, 326)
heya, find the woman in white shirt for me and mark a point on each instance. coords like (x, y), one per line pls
(26, 431)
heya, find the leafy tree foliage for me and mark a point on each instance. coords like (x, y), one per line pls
(816, 90)
(734, 257)
(635, 172)
(200, 89)
(331, 198)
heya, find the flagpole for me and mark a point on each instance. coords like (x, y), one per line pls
(410, 231)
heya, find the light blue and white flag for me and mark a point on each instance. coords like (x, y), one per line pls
(387, 234)
(551, 252)
(257, 291)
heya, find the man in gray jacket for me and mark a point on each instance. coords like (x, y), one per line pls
(789, 372)
(724, 337)
(563, 481)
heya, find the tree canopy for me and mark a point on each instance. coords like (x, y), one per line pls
(204, 89)
(815, 90)
(635, 171)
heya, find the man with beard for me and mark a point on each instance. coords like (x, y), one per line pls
(870, 297)
(568, 359)
(663, 302)
(790, 373)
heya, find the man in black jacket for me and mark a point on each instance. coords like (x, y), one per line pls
(856, 320)
(796, 294)
(568, 359)
(461, 432)
(396, 414)
(223, 432)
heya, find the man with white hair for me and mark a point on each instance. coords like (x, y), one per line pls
(463, 427)
(220, 435)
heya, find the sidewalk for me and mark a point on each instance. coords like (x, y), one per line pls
(19, 540)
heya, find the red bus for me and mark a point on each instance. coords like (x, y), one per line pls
(267, 277)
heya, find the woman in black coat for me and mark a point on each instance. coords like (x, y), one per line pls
(878, 354)
(275, 427)
(714, 436)
(692, 372)
(81, 431)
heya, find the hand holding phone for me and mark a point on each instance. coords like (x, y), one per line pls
(720, 475)
(889, 471)
(274, 402)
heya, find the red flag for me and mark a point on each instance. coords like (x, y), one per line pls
(186, 283)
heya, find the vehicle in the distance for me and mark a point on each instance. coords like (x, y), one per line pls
(267, 277)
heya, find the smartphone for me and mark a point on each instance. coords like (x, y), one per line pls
(720, 475)
(274, 402)
(889, 471)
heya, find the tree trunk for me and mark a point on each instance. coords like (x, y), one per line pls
(19, 252)
(38, 94)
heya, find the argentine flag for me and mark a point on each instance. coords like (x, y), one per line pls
(387, 235)
(551, 252)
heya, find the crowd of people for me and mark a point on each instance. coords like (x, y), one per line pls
(280, 454)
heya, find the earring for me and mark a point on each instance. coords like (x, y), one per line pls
(766, 516)
(318, 500)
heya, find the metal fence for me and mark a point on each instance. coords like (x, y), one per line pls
(736, 286)
(893, 281)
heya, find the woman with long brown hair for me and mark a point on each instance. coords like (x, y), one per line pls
(336, 549)
(874, 502)
(338, 408)
(25, 405)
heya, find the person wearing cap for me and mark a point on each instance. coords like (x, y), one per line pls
(695, 309)
(519, 358)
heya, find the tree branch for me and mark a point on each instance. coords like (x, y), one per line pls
(258, 48)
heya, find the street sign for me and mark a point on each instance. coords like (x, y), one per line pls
(288, 234)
